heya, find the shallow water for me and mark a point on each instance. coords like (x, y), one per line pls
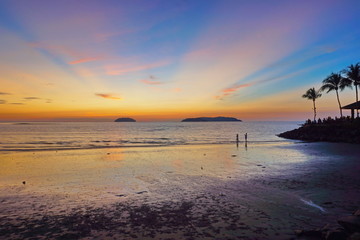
(85, 135)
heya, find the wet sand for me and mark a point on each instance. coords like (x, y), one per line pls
(263, 191)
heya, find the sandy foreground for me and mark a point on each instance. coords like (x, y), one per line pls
(262, 191)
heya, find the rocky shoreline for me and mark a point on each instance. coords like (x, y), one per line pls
(348, 229)
(338, 131)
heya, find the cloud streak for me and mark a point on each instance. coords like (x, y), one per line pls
(85, 60)
(31, 98)
(228, 91)
(150, 82)
(5, 93)
(108, 96)
(125, 69)
(2, 101)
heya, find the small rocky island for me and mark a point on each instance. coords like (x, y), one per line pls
(211, 119)
(125, 120)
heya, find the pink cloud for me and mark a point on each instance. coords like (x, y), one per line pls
(100, 37)
(198, 54)
(123, 69)
(176, 89)
(231, 90)
(65, 51)
(56, 49)
(84, 60)
(150, 82)
(108, 96)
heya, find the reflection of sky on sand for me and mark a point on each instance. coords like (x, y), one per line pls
(270, 186)
(127, 171)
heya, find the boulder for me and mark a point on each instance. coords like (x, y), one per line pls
(350, 223)
(309, 233)
(357, 212)
(336, 235)
(354, 236)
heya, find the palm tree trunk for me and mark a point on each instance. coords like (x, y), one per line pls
(357, 99)
(314, 111)
(337, 95)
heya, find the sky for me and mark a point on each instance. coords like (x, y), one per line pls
(156, 60)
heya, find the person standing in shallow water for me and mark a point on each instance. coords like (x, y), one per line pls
(245, 137)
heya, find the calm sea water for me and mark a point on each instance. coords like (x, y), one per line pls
(70, 135)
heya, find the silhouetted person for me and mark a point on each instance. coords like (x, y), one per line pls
(237, 140)
(245, 137)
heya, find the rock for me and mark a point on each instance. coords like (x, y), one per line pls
(141, 192)
(329, 132)
(357, 212)
(336, 235)
(309, 233)
(331, 227)
(121, 195)
(312, 233)
(350, 223)
(355, 236)
(327, 227)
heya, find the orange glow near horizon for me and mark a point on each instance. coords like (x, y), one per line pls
(148, 61)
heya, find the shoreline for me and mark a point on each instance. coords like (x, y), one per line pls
(232, 143)
(206, 192)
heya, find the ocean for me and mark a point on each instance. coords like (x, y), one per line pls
(87, 135)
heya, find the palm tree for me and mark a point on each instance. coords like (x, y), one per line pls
(312, 94)
(353, 74)
(334, 82)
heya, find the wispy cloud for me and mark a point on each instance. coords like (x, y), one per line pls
(47, 100)
(108, 96)
(124, 69)
(199, 54)
(100, 37)
(84, 60)
(231, 90)
(176, 89)
(151, 81)
(56, 49)
(2, 101)
(81, 56)
(31, 98)
(16, 103)
(5, 93)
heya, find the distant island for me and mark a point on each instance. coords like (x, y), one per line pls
(125, 120)
(211, 119)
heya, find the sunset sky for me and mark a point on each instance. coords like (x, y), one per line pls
(167, 60)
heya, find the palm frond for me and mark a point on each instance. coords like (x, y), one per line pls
(312, 94)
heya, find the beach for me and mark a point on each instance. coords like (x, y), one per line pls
(205, 191)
